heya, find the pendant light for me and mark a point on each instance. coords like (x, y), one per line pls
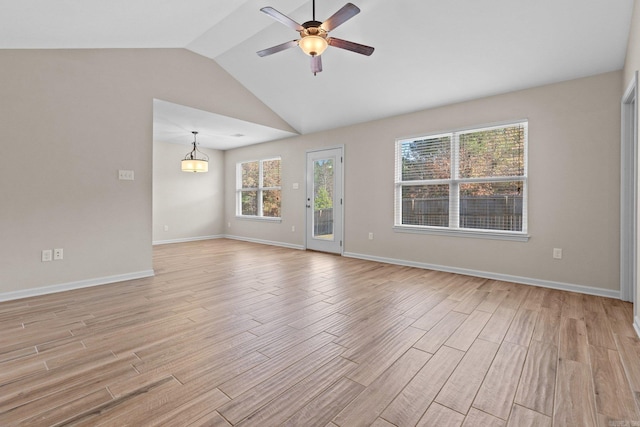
(191, 162)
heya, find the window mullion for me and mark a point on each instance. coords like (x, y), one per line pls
(492, 179)
(454, 186)
(260, 187)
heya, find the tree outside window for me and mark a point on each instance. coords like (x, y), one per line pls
(472, 179)
(259, 188)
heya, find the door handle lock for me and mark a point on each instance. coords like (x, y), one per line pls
(308, 206)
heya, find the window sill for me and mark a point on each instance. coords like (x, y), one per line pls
(259, 218)
(464, 232)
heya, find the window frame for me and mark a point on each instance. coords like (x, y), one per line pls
(259, 190)
(454, 182)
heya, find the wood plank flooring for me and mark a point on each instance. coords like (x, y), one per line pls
(234, 333)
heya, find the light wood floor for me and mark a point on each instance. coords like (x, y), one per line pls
(233, 333)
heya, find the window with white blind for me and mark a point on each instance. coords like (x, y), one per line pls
(471, 182)
(258, 189)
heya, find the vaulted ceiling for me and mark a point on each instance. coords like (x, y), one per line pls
(427, 53)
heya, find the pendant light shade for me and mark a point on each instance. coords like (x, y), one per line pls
(193, 163)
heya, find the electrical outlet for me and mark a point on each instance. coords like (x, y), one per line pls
(293, 228)
(228, 225)
(370, 236)
(58, 254)
(557, 253)
(166, 228)
(47, 255)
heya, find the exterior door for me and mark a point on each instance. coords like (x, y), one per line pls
(324, 229)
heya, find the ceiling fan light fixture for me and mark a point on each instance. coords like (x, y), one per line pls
(314, 37)
(313, 45)
(191, 162)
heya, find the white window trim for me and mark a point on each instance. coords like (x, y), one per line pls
(259, 218)
(260, 189)
(453, 229)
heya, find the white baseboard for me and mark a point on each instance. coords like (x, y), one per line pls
(8, 296)
(636, 325)
(495, 276)
(188, 239)
(265, 242)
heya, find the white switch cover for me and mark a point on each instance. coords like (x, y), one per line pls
(125, 175)
(296, 186)
(557, 253)
(47, 255)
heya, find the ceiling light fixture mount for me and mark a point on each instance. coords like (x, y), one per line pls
(191, 162)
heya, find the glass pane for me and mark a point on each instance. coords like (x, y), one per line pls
(426, 159)
(250, 175)
(491, 205)
(493, 152)
(271, 173)
(249, 203)
(323, 199)
(425, 205)
(271, 203)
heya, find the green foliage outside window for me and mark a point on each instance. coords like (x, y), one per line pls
(260, 188)
(466, 179)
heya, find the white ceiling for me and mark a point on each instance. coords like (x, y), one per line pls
(174, 123)
(428, 53)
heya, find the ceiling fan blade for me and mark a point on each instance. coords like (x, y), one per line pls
(278, 48)
(347, 12)
(282, 18)
(353, 47)
(316, 64)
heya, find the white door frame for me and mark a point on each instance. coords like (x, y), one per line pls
(629, 195)
(339, 236)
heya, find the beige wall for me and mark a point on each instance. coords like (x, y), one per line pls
(188, 204)
(574, 196)
(70, 119)
(632, 64)
(74, 117)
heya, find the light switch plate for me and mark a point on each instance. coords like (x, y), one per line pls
(125, 175)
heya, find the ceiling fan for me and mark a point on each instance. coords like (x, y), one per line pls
(314, 37)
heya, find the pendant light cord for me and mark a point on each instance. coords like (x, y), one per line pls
(314, 9)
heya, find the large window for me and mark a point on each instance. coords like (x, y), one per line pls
(472, 181)
(258, 188)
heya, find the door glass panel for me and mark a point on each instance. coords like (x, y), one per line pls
(323, 186)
